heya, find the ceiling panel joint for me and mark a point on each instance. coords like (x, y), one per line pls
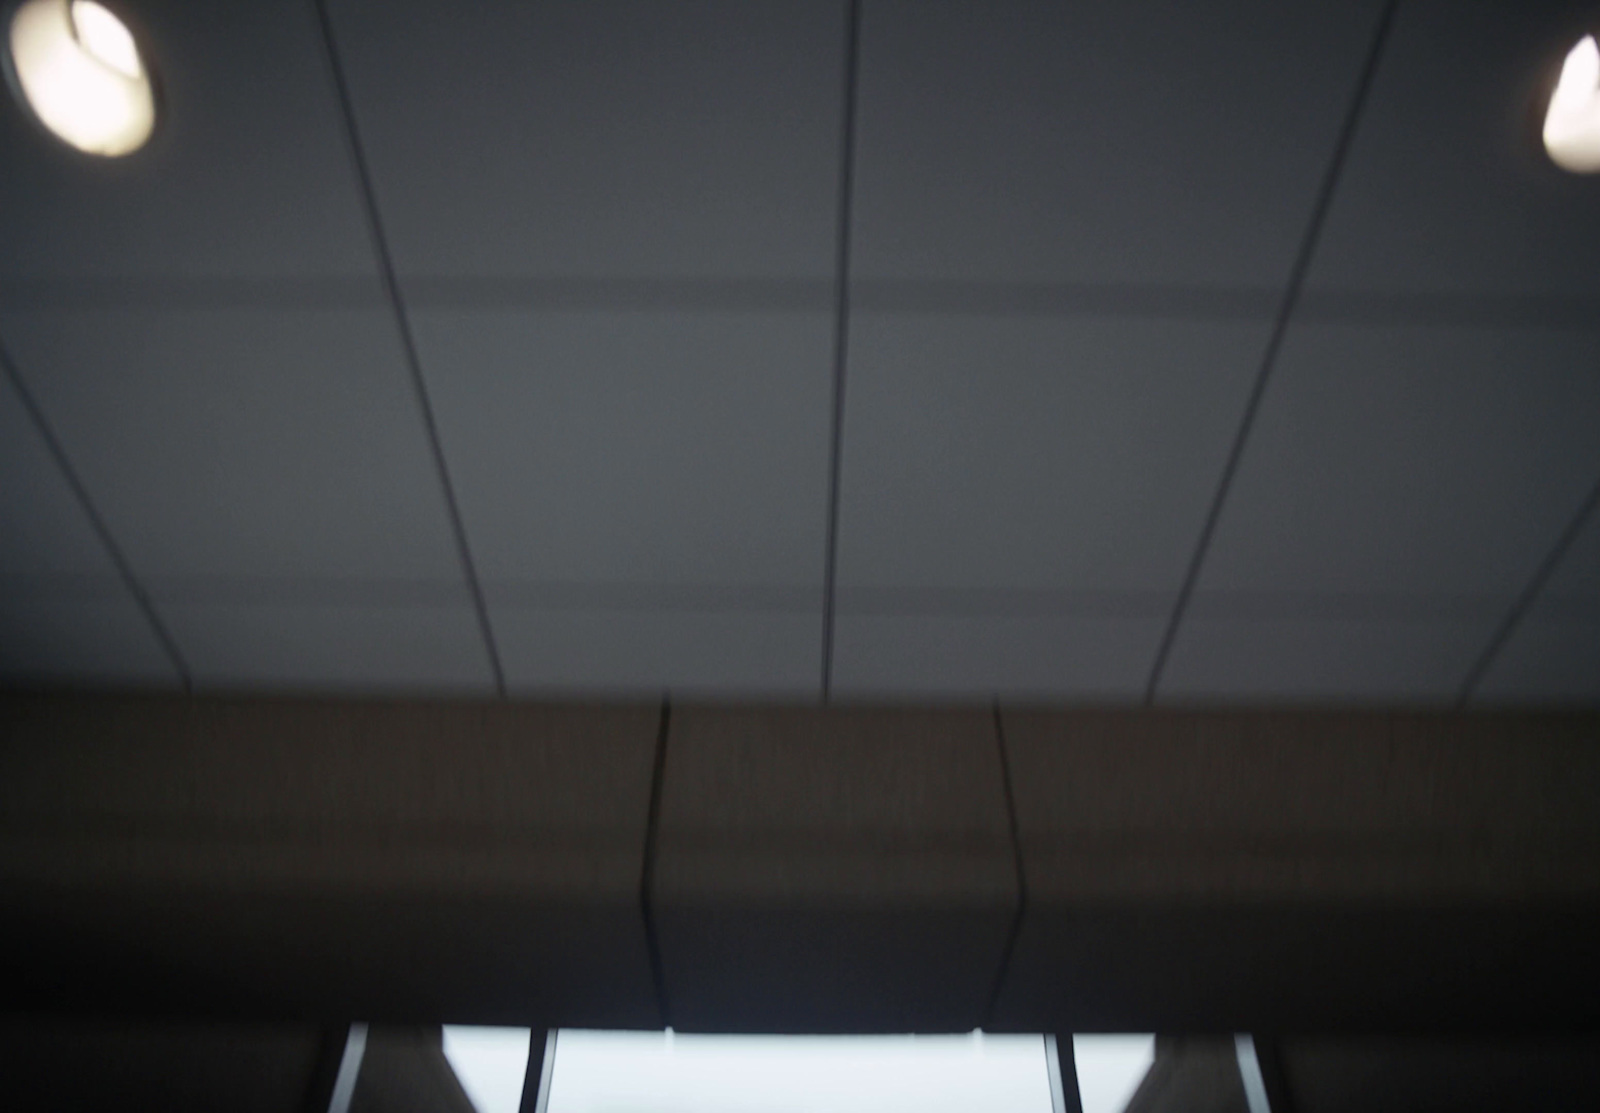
(1286, 309)
(391, 285)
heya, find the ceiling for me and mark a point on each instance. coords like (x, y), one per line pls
(1237, 351)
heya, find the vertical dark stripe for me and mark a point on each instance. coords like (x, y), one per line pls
(1520, 607)
(541, 1063)
(419, 386)
(1066, 1065)
(1280, 326)
(1016, 857)
(119, 560)
(841, 331)
(647, 875)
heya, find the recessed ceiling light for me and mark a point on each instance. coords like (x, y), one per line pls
(1572, 122)
(78, 67)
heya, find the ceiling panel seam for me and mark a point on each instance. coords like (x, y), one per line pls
(176, 293)
(402, 319)
(1291, 297)
(1525, 600)
(586, 294)
(841, 331)
(58, 453)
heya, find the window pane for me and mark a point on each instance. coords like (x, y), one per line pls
(1110, 1069)
(490, 1064)
(649, 1072)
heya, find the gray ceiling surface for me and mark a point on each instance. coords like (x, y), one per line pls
(938, 349)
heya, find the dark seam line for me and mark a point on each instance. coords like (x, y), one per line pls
(647, 295)
(910, 297)
(1060, 300)
(1022, 877)
(1524, 601)
(391, 286)
(841, 336)
(541, 1070)
(647, 876)
(1291, 297)
(541, 1064)
(169, 644)
(907, 297)
(1067, 1074)
(199, 295)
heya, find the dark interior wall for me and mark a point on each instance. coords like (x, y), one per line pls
(800, 869)
(52, 1064)
(60, 1065)
(305, 859)
(1305, 871)
(840, 871)
(1432, 1075)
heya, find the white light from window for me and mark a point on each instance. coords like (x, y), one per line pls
(489, 1063)
(1110, 1069)
(648, 1072)
(1572, 122)
(80, 71)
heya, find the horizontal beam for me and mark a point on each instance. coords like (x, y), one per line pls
(842, 869)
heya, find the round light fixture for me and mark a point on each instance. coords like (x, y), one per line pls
(1572, 122)
(78, 67)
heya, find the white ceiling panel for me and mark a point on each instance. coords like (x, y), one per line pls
(595, 651)
(97, 637)
(1432, 461)
(1447, 189)
(985, 655)
(1577, 577)
(1322, 659)
(601, 138)
(331, 646)
(615, 225)
(244, 443)
(65, 612)
(248, 175)
(1075, 454)
(1155, 141)
(1553, 656)
(641, 448)
(44, 530)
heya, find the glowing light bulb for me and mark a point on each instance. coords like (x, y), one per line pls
(103, 35)
(79, 70)
(1572, 122)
